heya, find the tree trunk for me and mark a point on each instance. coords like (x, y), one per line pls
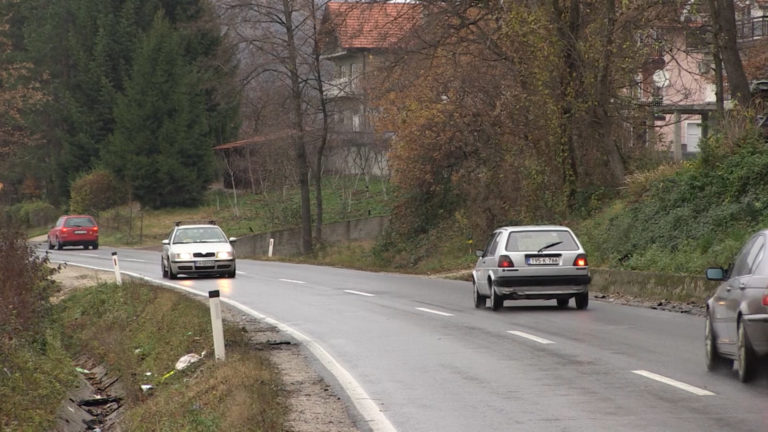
(324, 133)
(302, 167)
(724, 20)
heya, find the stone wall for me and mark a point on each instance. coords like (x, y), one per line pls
(288, 242)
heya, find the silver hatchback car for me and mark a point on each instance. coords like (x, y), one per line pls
(541, 262)
(197, 249)
(736, 328)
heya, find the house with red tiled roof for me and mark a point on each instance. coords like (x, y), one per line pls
(358, 37)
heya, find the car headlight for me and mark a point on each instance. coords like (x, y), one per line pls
(182, 256)
(224, 255)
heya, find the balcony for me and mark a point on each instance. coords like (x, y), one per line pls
(753, 28)
(343, 87)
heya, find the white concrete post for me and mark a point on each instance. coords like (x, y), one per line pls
(271, 246)
(117, 269)
(218, 328)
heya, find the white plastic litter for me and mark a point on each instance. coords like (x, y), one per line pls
(146, 387)
(187, 360)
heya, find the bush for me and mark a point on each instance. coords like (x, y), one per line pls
(96, 192)
(687, 220)
(30, 214)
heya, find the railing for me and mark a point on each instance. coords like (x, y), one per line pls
(343, 87)
(754, 28)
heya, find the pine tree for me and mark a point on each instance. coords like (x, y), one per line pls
(160, 146)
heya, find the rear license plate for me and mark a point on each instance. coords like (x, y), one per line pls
(204, 263)
(80, 232)
(543, 261)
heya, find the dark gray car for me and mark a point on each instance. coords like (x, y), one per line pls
(737, 314)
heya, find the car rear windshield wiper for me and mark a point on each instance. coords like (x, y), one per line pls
(549, 246)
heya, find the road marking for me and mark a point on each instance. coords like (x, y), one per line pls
(674, 383)
(292, 281)
(359, 293)
(133, 259)
(530, 336)
(239, 272)
(434, 312)
(90, 255)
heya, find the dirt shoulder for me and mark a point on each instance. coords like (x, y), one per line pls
(314, 404)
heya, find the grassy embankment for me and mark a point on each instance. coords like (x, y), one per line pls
(135, 330)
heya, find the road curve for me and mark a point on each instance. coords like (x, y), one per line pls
(413, 354)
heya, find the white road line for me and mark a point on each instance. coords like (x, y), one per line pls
(434, 312)
(359, 293)
(90, 255)
(530, 336)
(239, 272)
(674, 383)
(292, 281)
(133, 259)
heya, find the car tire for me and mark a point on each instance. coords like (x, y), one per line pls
(95, 246)
(171, 273)
(163, 271)
(50, 244)
(745, 357)
(713, 359)
(480, 300)
(496, 300)
(59, 245)
(582, 301)
(562, 303)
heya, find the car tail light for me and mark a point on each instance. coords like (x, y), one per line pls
(580, 261)
(95, 229)
(765, 298)
(505, 261)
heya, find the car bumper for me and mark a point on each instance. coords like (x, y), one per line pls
(756, 327)
(191, 267)
(542, 287)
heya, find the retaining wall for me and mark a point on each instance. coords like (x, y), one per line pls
(288, 242)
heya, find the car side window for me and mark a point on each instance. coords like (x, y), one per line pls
(741, 265)
(493, 243)
(756, 254)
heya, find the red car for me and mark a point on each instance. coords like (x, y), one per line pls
(74, 230)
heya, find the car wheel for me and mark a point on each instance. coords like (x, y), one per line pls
(582, 301)
(171, 273)
(713, 359)
(59, 245)
(232, 274)
(163, 271)
(562, 303)
(745, 358)
(95, 246)
(50, 244)
(496, 301)
(85, 246)
(479, 299)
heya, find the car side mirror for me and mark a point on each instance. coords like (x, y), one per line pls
(479, 253)
(232, 239)
(715, 274)
(166, 241)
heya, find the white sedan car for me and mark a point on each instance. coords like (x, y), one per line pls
(200, 249)
(540, 262)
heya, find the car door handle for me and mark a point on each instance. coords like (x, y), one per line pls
(742, 285)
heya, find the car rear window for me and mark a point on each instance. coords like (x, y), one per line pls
(79, 222)
(526, 241)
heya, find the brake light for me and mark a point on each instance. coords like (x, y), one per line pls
(765, 298)
(95, 229)
(580, 261)
(505, 261)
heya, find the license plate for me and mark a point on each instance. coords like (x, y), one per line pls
(80, 232)
(543, 260)
(204, 263)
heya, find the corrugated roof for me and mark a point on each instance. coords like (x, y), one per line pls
(371, 25)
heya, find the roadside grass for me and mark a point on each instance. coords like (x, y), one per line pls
(139, 332)
(33, 381)
(344, 198)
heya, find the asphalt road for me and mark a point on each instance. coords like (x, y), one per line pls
(413, 354)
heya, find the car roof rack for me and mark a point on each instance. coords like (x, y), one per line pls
(208, 222)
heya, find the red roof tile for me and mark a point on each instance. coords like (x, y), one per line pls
(371, 25)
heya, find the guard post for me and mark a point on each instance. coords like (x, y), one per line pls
(217, 327)
(117, 268)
